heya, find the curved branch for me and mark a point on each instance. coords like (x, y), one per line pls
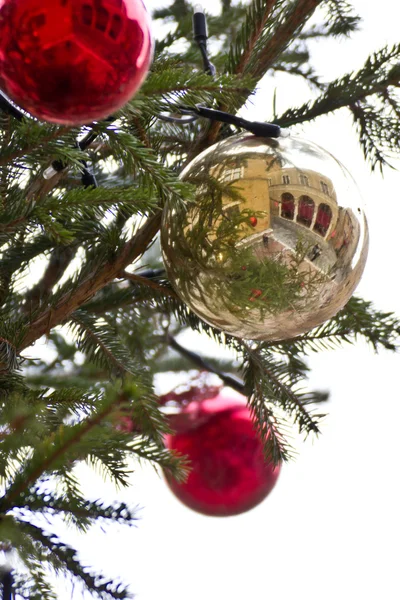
(93, 283)
(233, 382)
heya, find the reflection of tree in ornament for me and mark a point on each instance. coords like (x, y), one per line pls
(220, 242)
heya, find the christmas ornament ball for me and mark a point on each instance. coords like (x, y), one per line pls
(73, 61)
(275, 241)
(229, 473)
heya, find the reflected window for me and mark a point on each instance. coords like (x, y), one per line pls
(304, 180)
(232, 174)
(287, 206)
(323, 219)
(324, 188)
(305, 211)
(286, 179)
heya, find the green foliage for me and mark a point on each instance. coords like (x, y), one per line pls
(82, 266)
(371, 94)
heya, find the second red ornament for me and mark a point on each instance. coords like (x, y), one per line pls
(230, 474)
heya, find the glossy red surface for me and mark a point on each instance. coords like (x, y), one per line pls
(73, 61)
(229, 474)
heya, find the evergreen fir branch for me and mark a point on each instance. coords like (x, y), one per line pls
(50, 453)
(205, 365)
(171, 462)
(188, 318)
(75, 378)
(64, 558)
(379, 134)
(295, 61)
(182, 85)
(67, 402)
(93, 282)
(341, 19)
(143, 408)
(275, 379)
(34, 142)
(35, 587)
(148, 283)
(100, 343)
(83, 512)
(110, 298)
(31, 416)
(272, 429)
(359, 319)
(11, 383)
(374, 78)
(257, 16)
(8, 356)
(274, 33)
(59, 261)
(130, 198)
(18, 256)
(12, 331)
(143, 163)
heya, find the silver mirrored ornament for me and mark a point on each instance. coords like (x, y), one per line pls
(274, 243)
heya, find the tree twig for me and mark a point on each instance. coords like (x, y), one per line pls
(255, 34)
(283, 35)
(148, 282)
(233, 382)
(93, 283)
(59, 261)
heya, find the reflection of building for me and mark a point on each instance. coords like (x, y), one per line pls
(288, 198)
(248, 180)
(305, 197)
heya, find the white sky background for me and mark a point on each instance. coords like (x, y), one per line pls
(331, 527)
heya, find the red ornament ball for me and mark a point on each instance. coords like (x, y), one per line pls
(73, 61)
(229, 473)
(253, 221)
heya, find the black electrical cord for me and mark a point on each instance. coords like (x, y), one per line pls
(200, 35)
(256, 127)
(88, 179)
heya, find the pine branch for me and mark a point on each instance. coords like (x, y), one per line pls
(47, 454)
(35, 587)
(271, 384)
(93, 283)
(272, 429)
(147, 282)
(143, 163)
(181, 84)
(379, 134)
(58, 263)
(64, 557)
(374, 78)
(359, 319)
(196, 359)
(341, 18)
(257, 16)
(84, 512)
(30, 137)
(101, 343)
